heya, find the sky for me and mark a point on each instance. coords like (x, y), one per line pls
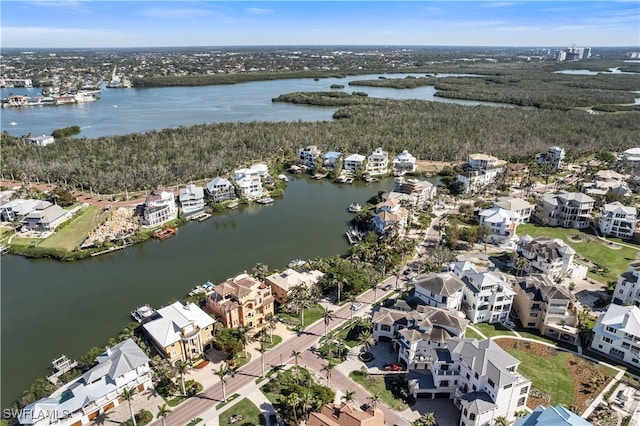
(540, 23)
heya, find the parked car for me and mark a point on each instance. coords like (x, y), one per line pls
(387, 287)
(393, 367)
(356, 306)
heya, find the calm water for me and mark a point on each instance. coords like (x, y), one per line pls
(49, 308)
(120, 111)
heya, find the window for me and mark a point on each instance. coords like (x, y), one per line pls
(611, 329)
(476, 375)
(472, 416)
(607, 340)
(521, 401)
(524, 390)
(490, 382)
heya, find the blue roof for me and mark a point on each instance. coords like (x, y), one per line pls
(552, 416)
(331, 154)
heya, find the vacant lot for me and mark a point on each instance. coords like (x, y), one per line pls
(70, 237)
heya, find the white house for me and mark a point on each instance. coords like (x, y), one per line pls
(566, 209)
(517, 205)
(617, 220)
(42, 140)
(486, 297)
(378, 162)
(412, 333)
(404, 162)
(261, 168)
(309, 155)
(249, 183)
(553, 157)
(475, 180)
(502, 223)
(192, 198)
(484, 161)
(46, 217)
(81, 401)
(390, 214)
(617, 334)
(220, 189)
(159, 207)
(480, 377)
(13, 209)
(550, 256)
(443, 290)
(627, 290)
(353, 161)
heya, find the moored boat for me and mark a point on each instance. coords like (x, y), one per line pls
(265, 200)
(142, 313)
(355, 207)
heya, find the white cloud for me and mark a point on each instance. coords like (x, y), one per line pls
(258, 11)
(176, 13)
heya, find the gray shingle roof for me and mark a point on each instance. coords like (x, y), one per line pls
(443, 284)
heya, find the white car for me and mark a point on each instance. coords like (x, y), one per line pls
(356, 306)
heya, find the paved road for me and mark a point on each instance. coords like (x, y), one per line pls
(194, 407)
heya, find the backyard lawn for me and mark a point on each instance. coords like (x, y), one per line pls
(491, 330)
(616, 259)
(243, 413)
(72, 235)
(381, 386)
(470, 334)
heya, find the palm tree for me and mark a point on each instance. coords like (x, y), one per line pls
(427, 419)
(163, 412)
(366, 339)
(374, 399)
(128, 394)
(501, 421)
(272, 320)
(260, 271)
(521, 265)
(349, 395)
(182, 368)
(223, 372)
(293, 400)
(328, 367)
(295, 354)
(327, 316)
(243, 332)
(351, 300)
(307, 400)
(262, 350)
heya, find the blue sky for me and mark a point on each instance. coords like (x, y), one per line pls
(85, 23)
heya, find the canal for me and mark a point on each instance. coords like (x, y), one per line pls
(50, 308)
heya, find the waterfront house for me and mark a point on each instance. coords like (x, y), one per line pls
(192, 198)
(443, 290)
(42, 140)
(486, 297)
(423, 190)
(617, 334)
(556, 416)
(99, 390)
(159, 207)
(282, 282)
(551, 309)
(566, 209)
(309, 154)
(480, 171)
(550, 256)
(484, 161)
(404, 163)
(262, 169)
(329, 159)
(607, 182)
(181, 332)
(353, 161)
(481, 378)
(45, 217)
(553, 157)
(501, 222)
(249, 183)
(627, 290)
(378, 162)
(220, 189)
(14, 209)
(389, 215)
(516, 205)
(617, 220)
(344, 414)
(412, 333)
(241, 301)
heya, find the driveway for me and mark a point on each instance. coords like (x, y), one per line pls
(445, 411)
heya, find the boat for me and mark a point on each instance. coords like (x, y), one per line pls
(13, 123)
(202, 288)
(355, 208)
(233, 205)
(142, 313)
(265, 200)
(283, 178)
(161, 234)
(296, 262)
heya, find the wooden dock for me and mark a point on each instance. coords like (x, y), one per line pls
(200, 217)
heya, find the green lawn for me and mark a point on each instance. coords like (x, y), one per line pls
(311, 315)
(247, 410)
(592, 249)
(381, 386)
(470, 334)
(531, 335)
(491, 330)
(26, 242)
(268, 344)
(550, 375)
(72, 235)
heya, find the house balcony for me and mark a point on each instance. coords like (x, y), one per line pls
(447, 372)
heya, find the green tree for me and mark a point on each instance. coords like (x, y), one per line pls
(501, 421)
(182, 368)
(128, 394)
(163, 411)
(295, 354)
(349, 396)
(272, 320)
(260, 271)
(374, 399)
(222, 373)
(327, 317)
(427, 419)
(330, 365)
(293, 401)
(366, 339)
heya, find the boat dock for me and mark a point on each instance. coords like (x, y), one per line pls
(200, 217)
(109, 250)
(60, 366)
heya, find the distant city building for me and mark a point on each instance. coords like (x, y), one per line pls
(422, 190)
(14, 209)
(553, 157)
(573, 53)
